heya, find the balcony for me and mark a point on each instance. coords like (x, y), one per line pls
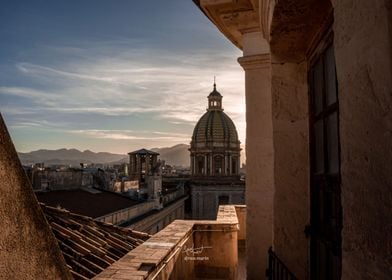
(187, 249)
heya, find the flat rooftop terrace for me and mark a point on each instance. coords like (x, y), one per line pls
(93, 204)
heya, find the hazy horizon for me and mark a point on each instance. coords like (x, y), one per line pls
(71, 148)
(112, 76)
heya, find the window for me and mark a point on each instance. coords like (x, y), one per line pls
(200, 165)
(234, 165)
(218, 164)
(326, 212)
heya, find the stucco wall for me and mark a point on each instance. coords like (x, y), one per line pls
(363, 62)
(291, 200)
(28, 249)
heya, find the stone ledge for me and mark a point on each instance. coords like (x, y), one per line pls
(159, 256)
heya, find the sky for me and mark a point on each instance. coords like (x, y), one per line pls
(112, 76)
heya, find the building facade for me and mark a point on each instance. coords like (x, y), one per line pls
(318, 79)
(215, 161)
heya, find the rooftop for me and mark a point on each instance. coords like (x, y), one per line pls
(85, 202)
(89, 246)
(143, 152)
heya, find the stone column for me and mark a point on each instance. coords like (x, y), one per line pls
(205, 165)
(138, 168)
(211, 165)
(238, 165)
(192, 165)
(227, 165)
(230, 166)
(147, 160)
(259, 152)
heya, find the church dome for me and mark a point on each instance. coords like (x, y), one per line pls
(215, 128)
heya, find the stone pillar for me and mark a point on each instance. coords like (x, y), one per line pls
(211, 165)
(195, 170)
(205, 165)
(259, 152)
(238, 166)
(138, 168)
(192, 165)
(230, 165)
(147, 160)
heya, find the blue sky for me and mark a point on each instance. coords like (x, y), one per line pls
(111, 75)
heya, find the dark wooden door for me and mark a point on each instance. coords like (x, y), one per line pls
(326, 211)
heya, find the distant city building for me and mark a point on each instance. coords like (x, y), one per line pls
(140, 201)
(145, 171)
(215, 161)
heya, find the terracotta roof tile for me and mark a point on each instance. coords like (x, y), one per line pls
(90, 246)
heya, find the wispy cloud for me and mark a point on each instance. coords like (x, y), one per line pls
(38, 70)
(150, 85)
(133, 135)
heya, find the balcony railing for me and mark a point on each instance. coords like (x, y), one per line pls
(277, 270)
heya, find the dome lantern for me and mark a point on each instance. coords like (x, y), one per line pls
(215, 100)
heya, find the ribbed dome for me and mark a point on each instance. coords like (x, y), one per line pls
(215, 149)
(215, 128)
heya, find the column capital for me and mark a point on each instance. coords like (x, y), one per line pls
(255, 61)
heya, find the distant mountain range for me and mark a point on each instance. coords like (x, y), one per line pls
(177, 155)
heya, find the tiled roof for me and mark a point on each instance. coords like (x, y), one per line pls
(90, 246)
(86, 203)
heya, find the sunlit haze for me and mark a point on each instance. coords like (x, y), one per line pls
(112, 76)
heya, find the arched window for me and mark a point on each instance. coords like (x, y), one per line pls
(218, 164)
(234, 165)
(200, 165)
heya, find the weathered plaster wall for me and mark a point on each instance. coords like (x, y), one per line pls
(294, 25)
(220, 242)
(241, 216)
(221, 251)
(28, 249)
(363, 61)
(291, 200)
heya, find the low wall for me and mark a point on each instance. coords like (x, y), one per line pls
(184, 250)
(241, 216)
(219, 242)
(127, 214)
(156, 222)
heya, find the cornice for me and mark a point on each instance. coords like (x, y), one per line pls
(255, 61)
